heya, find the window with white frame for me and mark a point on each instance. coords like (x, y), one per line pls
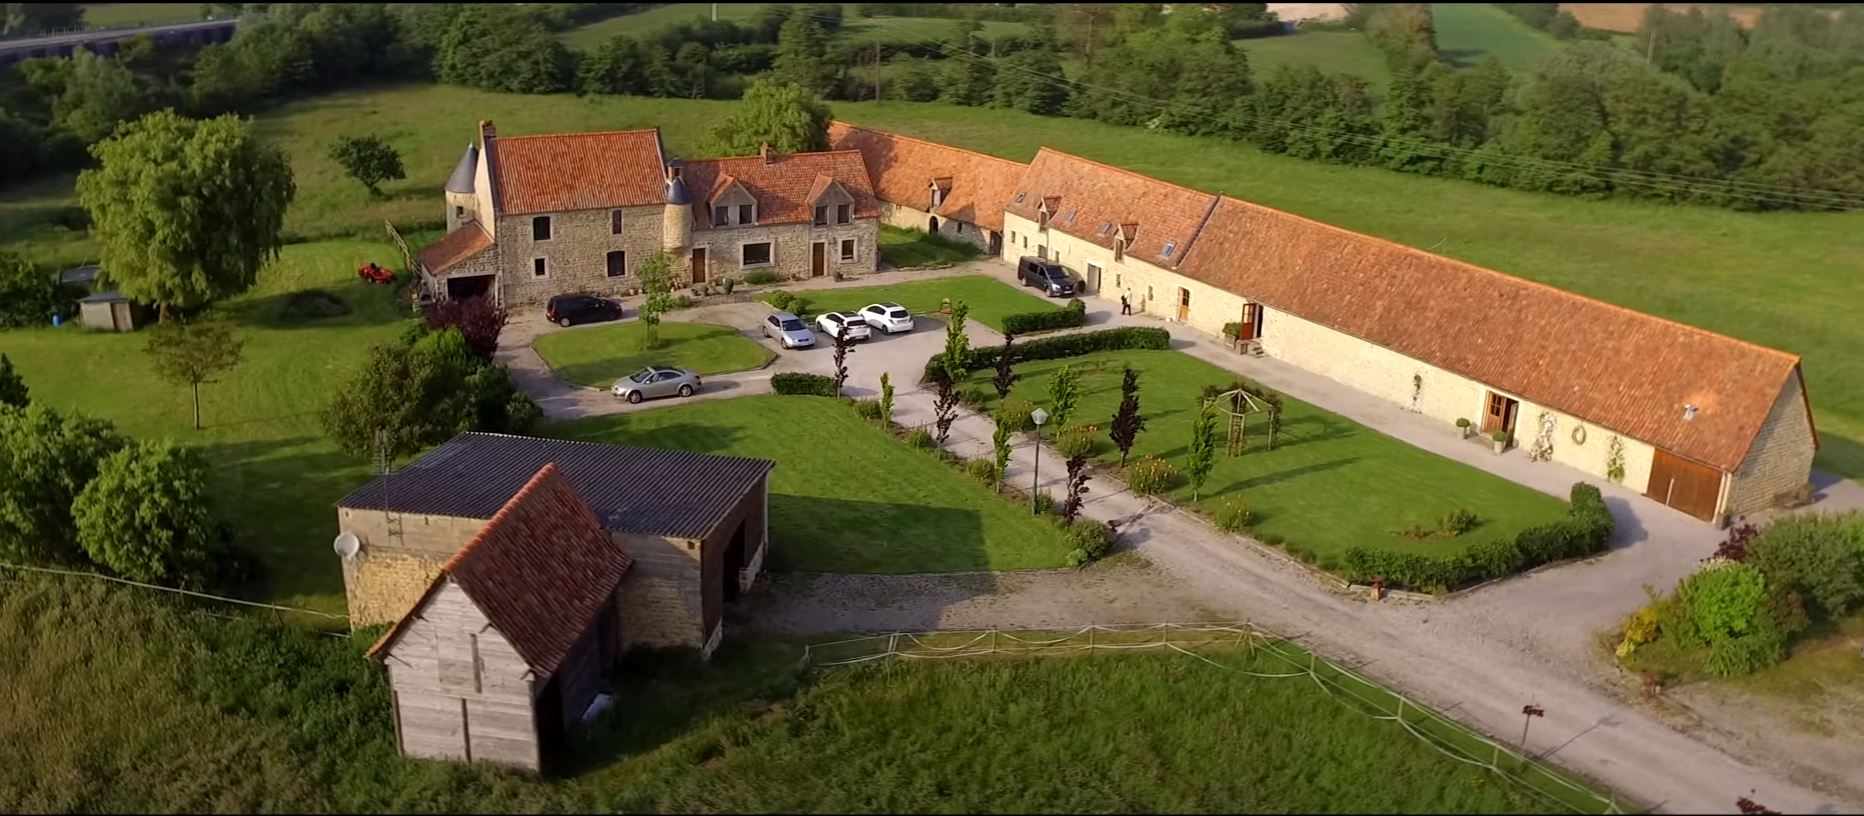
(844, 213)
(747, 214)
(721, 216)
(847, 249)
(757, 254)
(540, 268)
(540, 228)
(821, 215)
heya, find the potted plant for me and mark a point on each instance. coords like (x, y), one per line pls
(1462, 424)
(1501, 440)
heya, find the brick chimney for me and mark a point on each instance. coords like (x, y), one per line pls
(487, 130)
(764, 151)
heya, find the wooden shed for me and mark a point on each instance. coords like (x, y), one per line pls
(514, 638)
(111, 311)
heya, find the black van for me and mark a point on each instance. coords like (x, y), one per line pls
(566, 310)
(1046, 275)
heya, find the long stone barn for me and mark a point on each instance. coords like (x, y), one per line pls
(694, 526)
(934, 188)
(1710, 425)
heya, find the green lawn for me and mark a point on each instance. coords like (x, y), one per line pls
(854, 29)
(121, 703)
(846, 496)
(916, 249)
(1328, 485)
(275, 476)
(597, 356)
(990, 300)
(1348, 52)
(916, 29)
(119, 15)
(1467, 33)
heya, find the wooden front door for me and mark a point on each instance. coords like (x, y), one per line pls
(1685, 485)
(1184, 305)
(818, 259)
(698, 264)
(1500, 414)
(1252, 322)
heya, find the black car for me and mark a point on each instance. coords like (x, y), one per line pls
(1048, 276)
(568, 310)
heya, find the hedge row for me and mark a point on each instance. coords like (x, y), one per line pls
(808, 385)
(1586, 530)
(1068, 317)
(1055, 348)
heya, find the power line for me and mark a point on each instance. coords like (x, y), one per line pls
(112, 578)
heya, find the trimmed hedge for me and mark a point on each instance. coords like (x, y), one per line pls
(1067, 317)
(1055, 348)
(1586, 530)
(808, 385)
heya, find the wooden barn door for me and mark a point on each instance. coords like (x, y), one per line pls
(1687, 486)
(698, 265)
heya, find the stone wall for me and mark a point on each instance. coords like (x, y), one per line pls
(904, 217)
(1155, 290)
(386, 578)
(576, 253)
(790, 248)
(661, 599)
(1780, 460)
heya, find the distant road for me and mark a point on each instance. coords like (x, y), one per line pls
(104, 40)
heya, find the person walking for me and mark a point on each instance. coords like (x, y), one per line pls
(1126, 301)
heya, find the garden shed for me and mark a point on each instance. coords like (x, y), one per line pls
(111, 311)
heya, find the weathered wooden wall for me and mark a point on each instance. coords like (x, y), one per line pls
(461, 690)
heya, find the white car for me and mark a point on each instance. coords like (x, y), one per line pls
(834, 323)
(891, 318)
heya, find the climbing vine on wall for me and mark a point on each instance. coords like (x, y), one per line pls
(1417, 390)
(1542, 449)
(1615, 459)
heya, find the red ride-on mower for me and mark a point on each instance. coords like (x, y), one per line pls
(375, 274)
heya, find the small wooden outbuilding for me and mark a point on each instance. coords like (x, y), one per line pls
(514, 638)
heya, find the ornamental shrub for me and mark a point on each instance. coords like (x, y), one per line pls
(1234, 515)
(1076, 441)
(1072, 315)
(761, 277)
(1150, 476)
(982, 470)
(1060, 347)
(921, 439)
(1725, 600)
(810, 385)
(1816, 555)
(1094, 538)
(867, 409)
(1016, 413)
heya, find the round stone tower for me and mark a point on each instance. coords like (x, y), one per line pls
(677, 219)
(462, 203)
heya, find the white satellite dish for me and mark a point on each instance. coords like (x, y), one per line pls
(347, 544)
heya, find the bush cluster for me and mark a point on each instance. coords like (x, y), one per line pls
(1586, 530)
(1016, 411)
(920, 439)
(1077, 441)
(1067, 317)
(1150, 476)
(1088, 540)
(867, 409)
(808, 385)
(1234, 515)
(761, 276)
(1056, 348)
(786, 301)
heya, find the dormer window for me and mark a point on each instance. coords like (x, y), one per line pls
(938, 196)
(821, 215)
(844, 213)
(721, 216)
(747, 213)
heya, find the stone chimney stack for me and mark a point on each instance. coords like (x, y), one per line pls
(487, 130)
(764, 151)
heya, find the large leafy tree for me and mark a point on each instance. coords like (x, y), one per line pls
(33, 18)
(46, 459)
(13, 390)
(802, 55)
(98, 95)
(185, 212)
(780, 114)
(193, 352)
(502, 48)
(368, 159)
(29, 296)
(147, 516)
(618, 66)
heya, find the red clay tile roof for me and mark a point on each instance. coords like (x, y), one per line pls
(540, 570)
(1099, 194)
(458, 245)
(578, 171)
(903, 168)
(1623, 370)
(781, 187)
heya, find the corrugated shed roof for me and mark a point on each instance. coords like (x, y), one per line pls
(781, 187)
(540, 570)
(648, 491)
(578, 171)
(456, 246)
(978, 187)
(1624, 370)
(1098, 195)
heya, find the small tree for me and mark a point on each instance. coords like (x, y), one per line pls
(656, 275)
(886, 400)
(146, 516)
(193, 352)
(1203, 454)
(414, 396)
(478, 320)
(1006, 377)
(844, 346)
(1127, 423)
(781, 114)
(13, 390)
(1064, 393)
(368, 159)
(46, 459)
(951, 371)
(1000, 446)
(1077, 487)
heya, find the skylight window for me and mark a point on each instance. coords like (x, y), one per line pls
(1070, 217)
(1170, 246)
(1105, 228)
(1020, 197)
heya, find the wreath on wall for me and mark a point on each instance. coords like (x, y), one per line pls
(1579, 434)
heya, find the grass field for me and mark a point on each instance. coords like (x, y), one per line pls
(121, 15)
(917, 249)
(597, 356)
(854, 29)
(1780, 279)
(1348, 52)
(989, 299)
(1328, 485)
(119, 702)
(846, 496)
(274, 475)
(1468, 33)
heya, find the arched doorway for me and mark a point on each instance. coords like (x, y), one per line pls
(996, 243)
(932, 225)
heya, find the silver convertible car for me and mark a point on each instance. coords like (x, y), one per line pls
(656, 381)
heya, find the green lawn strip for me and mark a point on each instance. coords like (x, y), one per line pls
(1467, 33)
(124, 703)
(989, 299)
(275, 475)
(914, 249)
(846, 496)
(1347, 52)
(124, 15)
(597, 356)
(854, 30)
(1329, 484)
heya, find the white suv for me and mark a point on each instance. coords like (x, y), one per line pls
(891, 318)
(834, 323)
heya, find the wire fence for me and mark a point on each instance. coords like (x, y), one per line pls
(1269, 656)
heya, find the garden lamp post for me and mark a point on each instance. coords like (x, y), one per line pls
(1038, 416)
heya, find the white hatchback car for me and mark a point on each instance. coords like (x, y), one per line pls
(891, 318)
(834, 323)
